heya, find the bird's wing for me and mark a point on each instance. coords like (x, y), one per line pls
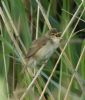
(36, 45)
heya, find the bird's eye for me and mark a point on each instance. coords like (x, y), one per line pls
(58, 35)
(53, 32)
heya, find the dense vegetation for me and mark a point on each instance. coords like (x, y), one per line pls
(63, 76)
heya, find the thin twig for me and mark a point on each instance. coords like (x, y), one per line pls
(37, 26)
(82, 54)
(71, 68)
(73, 14)
(44, 15)
(5, 65)
(14, 28)
(12, 37)
(72, 19)
(78, 61)
(34, 79)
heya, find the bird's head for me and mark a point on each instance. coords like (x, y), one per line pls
(53, 34)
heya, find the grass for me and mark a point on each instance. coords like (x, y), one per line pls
(62, 76)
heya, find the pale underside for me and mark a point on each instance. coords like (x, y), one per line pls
(41, 50)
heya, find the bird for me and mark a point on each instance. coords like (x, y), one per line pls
(43, 48)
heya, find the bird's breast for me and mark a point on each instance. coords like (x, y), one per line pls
(46, 51)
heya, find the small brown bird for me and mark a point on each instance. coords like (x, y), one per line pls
(43, 48)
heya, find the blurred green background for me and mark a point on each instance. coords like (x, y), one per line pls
(24, 14)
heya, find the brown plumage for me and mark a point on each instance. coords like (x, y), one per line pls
(36, 45)
(40, 42)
